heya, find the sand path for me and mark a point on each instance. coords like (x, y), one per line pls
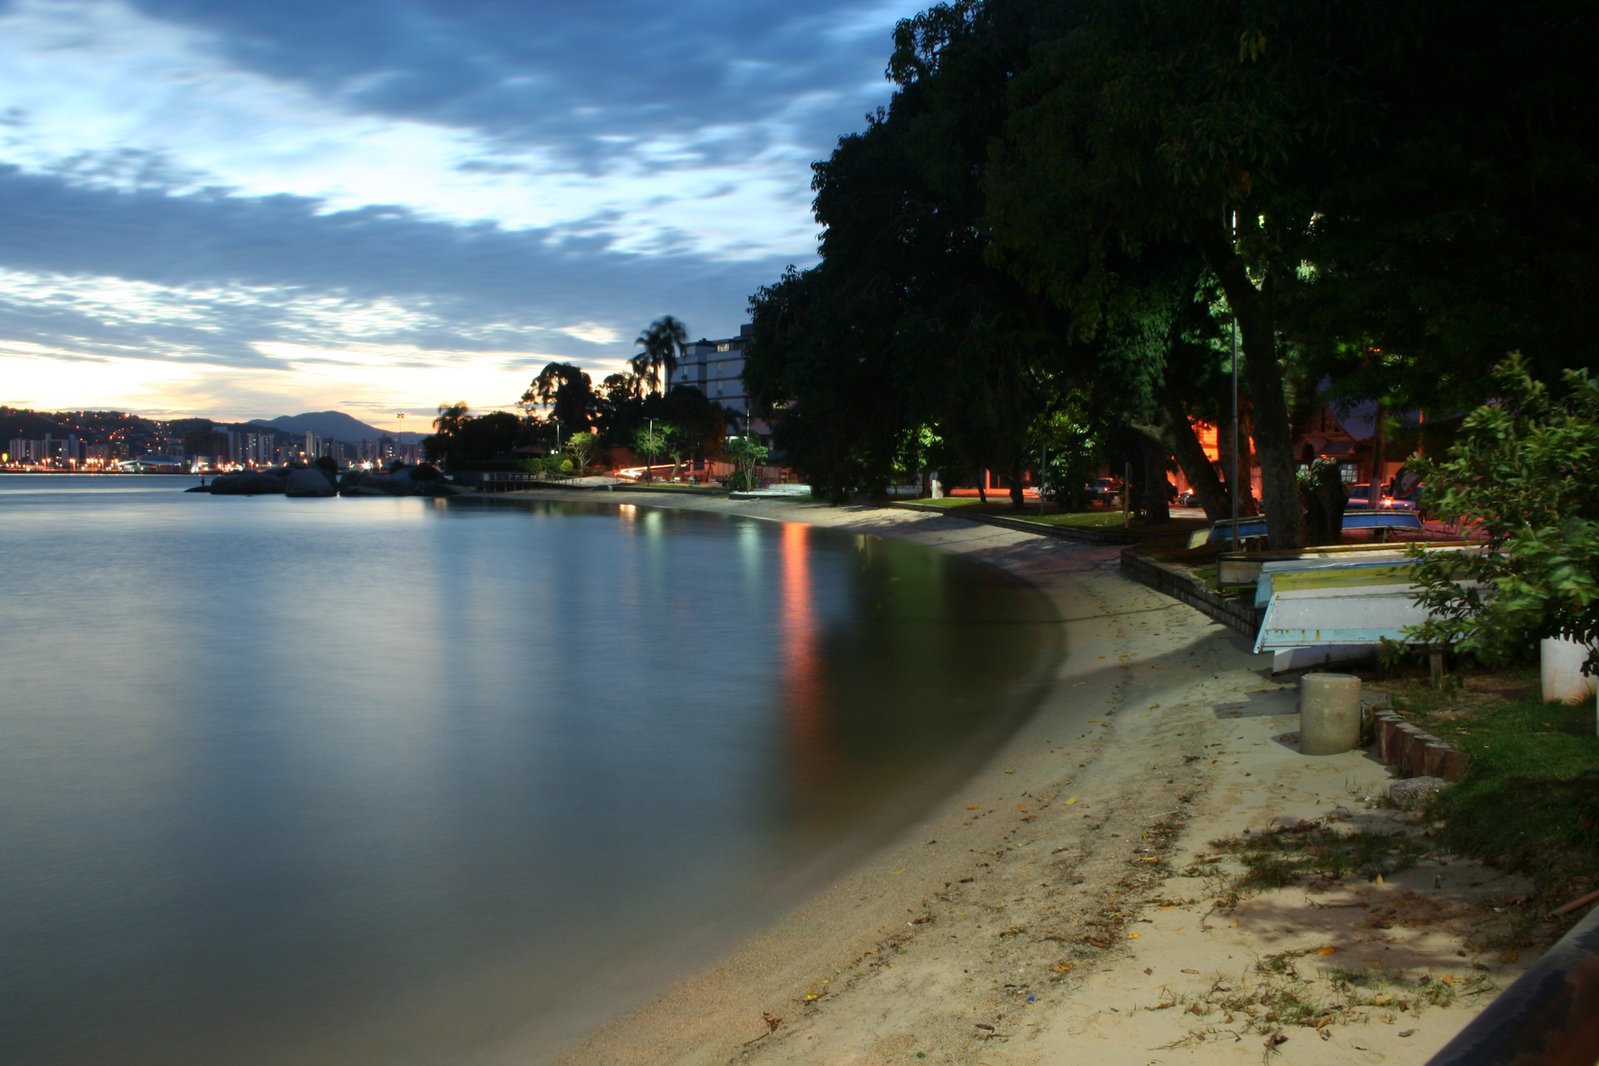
(1065, 905)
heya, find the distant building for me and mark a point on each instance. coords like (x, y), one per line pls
(252, 449)
(716, 368)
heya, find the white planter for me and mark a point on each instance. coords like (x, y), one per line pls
(1561, 667)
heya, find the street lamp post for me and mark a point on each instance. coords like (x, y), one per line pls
(649, 472)
(1232, 485)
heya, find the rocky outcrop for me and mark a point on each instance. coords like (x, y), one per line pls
(250, 483)
(401, 481)
(315, 481)
(309, 481)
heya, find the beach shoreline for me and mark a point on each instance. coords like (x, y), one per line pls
(1053, 907)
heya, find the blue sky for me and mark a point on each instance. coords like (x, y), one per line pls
(260, 207)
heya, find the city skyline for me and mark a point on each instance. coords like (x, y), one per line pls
(220, 210)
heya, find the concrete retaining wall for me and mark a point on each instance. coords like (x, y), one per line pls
(1234, 612)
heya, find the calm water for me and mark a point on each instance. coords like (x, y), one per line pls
(333, 781)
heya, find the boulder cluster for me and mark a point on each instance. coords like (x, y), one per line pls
(317, 481)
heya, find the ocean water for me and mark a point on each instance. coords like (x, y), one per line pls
(411, 781)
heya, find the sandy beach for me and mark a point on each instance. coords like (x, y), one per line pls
(1067, 904)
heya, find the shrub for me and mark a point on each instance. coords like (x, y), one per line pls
(1524, 471)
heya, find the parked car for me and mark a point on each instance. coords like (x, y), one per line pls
(1360, 500)
(1188, 498)
(1102, 490)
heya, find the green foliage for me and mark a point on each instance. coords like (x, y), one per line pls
(1524, 471)
(695, 425)
(1057, 183)
(550, 466)
(746, 453)
(1540, 760)
(580, 448)
(649, 444)
(1069, 449)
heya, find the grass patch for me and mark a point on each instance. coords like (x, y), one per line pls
(950, 503)
(1530, 799)
(1312, 853)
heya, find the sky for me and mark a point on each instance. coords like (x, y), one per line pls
(240, 209)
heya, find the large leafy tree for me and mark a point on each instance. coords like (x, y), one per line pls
(1211, 129)
(905, 329)
(567, 392)
(461, 439)
(1389, 196)
(1470, 229)
(819, 370)
(699, 427)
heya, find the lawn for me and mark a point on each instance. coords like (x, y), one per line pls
(1530, 799)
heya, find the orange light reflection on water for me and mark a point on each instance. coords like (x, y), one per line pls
(802, 667)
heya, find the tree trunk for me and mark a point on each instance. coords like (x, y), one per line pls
(1157, 500)
(1324, 503)
(1154, 450)
(1272, 431)
(1379, 454)
(1227, 443)
(1178, 433)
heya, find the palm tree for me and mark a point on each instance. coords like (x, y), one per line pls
(567, 391)
(662, 343)
(451, 415)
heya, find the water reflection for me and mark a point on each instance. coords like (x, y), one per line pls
(803, 683)
(569, 749)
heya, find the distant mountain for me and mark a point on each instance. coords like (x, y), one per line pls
(29, 425)
(334, 425)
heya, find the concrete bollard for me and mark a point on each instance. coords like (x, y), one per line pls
(1329, 713)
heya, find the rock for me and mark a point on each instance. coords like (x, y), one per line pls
(401, 481)
(249, 483)
(309, 481)
(1414, 793)
(369, 483)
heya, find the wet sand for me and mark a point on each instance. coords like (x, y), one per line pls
(1065, 904)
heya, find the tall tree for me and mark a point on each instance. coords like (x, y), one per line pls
(663, 344)
(904, 328)
(1174, 122)
(451, 415)
(567, 391)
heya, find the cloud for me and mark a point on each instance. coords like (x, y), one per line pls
(221, 280)
(195, 188)
(446, 110)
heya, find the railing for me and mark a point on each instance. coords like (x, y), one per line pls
(507, 481)
(1548, 1017)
